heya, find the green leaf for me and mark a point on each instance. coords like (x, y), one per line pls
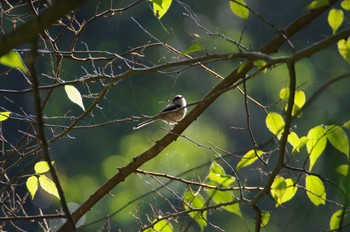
(196, 47)
(41, 167)
(74, 95)
(343, 169)
(275, 124)
(334, 223)
(344, 49)
(345, 4)
(299, 99)
(242, 66)
(261, 64)
(315, 190)
(338, 138)
(317, 4)
(249, 158)
(283, 190)
(4, 115)
(217, 174)
(223, 197)
(239, 9)
(296, 142)
(335, 19)
(160, 7)
(161, 226)
(48, 186)
(315, 144)
(195, 201)
(290, 192)
(13, 60)
(346, 125)
(32, 185)
(265, 218)
(278, 188)
(284, 94)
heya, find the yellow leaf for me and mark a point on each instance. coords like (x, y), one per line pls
(13, 60)
(249, 158)
(317, 4)
(275, 124)
(335, 19)
(4, 115)
(334, 223)
(345, 4)
(32, 185)
(315, 190)
(160, 7)
(74, 95)
(41, 167)
(315, 144)
(284, 94)
(265, 218)
(48, 185)
(344, 49)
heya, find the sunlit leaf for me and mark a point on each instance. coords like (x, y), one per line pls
(290, 192)
(217, 174)
(275, 123)
(334, 223)
(338, 138)
(278, 188)
(4, 115)
(197, 47)
(195, 201)
(296, 142)
(48, 185)
(315, 190)
(284, 94)
(222, 197)
(317, 4)
(237, 7)
(343, 169)
(299, 99)
(344, 49)
(161, 226)
(345, 4)
(74, 95)
(335, 19)
(265, 218)
(41, 167)
(283, 190)
(160, 7)
(315, 144)
(13, 60)
(32, 185)
(249, 158)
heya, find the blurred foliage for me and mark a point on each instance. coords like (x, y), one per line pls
(89, 156)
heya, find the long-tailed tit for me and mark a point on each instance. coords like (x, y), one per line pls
(171, 114)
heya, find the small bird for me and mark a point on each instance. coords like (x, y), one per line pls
(171, 114)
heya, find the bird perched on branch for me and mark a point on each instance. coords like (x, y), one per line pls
(171, 114)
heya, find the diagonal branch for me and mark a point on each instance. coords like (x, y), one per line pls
(161, 144)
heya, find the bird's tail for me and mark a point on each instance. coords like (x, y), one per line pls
(144, 123)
